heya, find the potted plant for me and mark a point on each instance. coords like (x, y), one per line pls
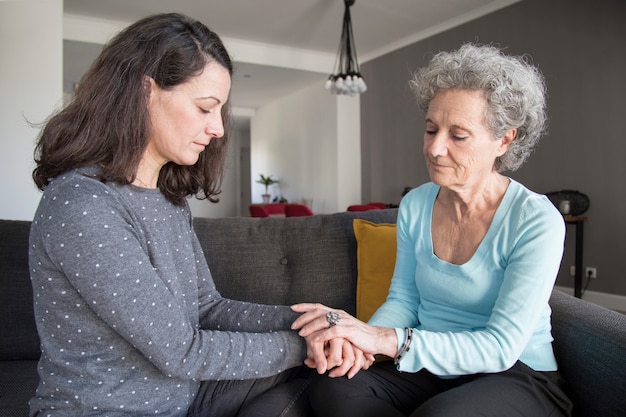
(267, 181)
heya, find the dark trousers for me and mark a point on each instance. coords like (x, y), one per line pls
(282, 395)
(384, 391)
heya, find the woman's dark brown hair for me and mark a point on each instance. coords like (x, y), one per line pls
(107, 125)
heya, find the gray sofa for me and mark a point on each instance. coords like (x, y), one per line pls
(288, 260)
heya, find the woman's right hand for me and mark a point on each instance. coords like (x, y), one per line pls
(353, 360)
(342, 359)
(314, 326)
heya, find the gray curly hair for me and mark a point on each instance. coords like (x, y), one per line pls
(514, 89)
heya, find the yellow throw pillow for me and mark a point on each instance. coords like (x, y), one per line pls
(376, 259)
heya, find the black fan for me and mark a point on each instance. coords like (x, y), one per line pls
(578, 202)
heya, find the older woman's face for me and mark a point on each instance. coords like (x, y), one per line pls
(459, 148)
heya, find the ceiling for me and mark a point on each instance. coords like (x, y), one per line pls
(379, 26)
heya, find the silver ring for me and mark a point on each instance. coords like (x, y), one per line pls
(332, 318)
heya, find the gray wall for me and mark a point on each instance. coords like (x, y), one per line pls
(581, 48)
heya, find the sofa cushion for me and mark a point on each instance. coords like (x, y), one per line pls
(286, 260)
(376, 259)
(18, 334)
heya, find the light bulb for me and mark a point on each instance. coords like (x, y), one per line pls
(362, 85)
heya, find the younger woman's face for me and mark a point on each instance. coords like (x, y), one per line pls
(185, 118)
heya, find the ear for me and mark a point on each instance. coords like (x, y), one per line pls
(148, 84)
(506, 140)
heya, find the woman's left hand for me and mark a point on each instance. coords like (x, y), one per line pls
(315, 326)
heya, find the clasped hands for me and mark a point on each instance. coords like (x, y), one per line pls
(344, 348)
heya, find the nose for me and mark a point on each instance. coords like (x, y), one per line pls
(215, 127)
(435, 145)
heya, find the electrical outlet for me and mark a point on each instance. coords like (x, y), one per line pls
(572, 270)
(591, 272)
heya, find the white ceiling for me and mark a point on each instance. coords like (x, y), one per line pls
(287, 27)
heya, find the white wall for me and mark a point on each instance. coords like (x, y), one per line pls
(310, 142)
(31, 79)
(349, 152)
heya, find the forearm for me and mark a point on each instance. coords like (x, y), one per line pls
(232, 315)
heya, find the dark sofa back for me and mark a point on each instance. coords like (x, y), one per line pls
(269, 251)
(18, 335)
(289, 259)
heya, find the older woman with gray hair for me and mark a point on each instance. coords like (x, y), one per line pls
(467, 320)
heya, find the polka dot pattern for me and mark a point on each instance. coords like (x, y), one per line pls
(128, 315)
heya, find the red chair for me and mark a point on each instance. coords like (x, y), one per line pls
(258, 211)
(381, 206)
(362, 207)
(275, 209)
(297, 210)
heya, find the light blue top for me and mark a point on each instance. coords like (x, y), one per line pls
(484, 315)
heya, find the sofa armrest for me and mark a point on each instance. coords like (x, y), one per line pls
(590, 347)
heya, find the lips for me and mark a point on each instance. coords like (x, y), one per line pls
(434, 164)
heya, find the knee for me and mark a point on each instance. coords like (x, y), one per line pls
(326, 395)
(321, 389)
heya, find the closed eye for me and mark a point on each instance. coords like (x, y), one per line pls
(207, 104)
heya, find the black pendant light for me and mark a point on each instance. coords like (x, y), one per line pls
(346, 78)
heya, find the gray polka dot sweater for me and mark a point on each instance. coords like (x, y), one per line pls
(127, 312)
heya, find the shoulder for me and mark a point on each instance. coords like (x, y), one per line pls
(76, 198)
(532, 201)
(419, 196)
(76, 191)
(416, 206)
(531, 209)
(424, 192)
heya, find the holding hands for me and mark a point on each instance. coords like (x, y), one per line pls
(340, 343)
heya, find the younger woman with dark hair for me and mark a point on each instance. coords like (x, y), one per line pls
(129, 318)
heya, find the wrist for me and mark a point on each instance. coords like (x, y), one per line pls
(389, 342)
(406, 335)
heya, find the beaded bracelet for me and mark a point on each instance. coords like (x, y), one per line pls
(406, 346)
